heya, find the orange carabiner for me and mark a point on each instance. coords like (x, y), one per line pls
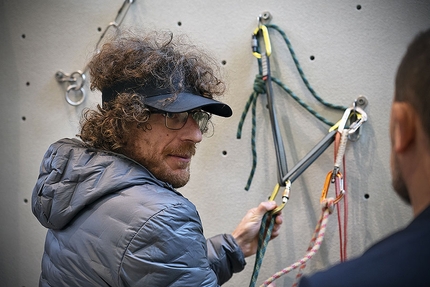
(327, 184)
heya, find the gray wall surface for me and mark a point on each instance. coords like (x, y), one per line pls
(357, 46)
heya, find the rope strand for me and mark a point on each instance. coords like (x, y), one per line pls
(316, 241)
(259, 88)
(300, 70)
(263, 240)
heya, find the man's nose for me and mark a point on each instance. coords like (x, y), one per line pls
(191, 131)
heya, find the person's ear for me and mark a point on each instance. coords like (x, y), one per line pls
(403, 129)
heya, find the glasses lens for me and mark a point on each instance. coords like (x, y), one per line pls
(202, 119)
(176, 121)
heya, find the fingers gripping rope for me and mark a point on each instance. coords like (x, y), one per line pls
(263, 240)
(315, 244)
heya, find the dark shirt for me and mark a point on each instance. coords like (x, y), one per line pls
(402, 259)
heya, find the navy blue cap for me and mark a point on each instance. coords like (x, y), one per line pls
(165, 100)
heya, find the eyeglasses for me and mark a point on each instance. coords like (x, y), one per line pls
(176, 121)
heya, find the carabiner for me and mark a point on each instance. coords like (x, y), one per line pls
(266, 39)
(327, 184)
(361, 118)
(355, 125)
(285, 196)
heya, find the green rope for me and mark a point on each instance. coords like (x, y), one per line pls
(301, 102)
(300, 70)
(260, 88)
(263, 240)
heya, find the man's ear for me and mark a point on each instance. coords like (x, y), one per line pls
(403, 126)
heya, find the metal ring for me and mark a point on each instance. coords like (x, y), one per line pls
(75, 89)
(79, 80)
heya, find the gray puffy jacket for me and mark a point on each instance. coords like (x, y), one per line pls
(112, 223)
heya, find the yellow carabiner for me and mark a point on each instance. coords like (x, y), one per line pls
(336, 125)
(285, 196)
(266, 38)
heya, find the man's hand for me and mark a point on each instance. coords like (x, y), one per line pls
(246, 233)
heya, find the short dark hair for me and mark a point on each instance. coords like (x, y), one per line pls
(413, 78)
(140, 58)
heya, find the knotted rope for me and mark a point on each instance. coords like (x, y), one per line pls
(314, 245)
(259, 88)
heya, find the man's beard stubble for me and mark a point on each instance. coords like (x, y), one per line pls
(177, 181)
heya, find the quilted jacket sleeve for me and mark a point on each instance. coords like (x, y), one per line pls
(225, 257)
(168, 250)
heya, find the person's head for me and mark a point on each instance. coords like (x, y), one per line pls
(158, 95)
(411, 106)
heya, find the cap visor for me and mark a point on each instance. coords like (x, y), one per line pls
(186, 102)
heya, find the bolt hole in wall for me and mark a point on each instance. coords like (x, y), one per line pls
(224, 152)
(179, 23)
(224, 62)
(25, 200)
(23, 36)
(358, 7)
(366, 196)
(23, 118)
(312, 58)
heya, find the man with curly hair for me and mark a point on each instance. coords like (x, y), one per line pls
(109, 200)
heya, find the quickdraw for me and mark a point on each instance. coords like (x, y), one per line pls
(334, 176)
(327, 207)
(281, 159)
(285, 177)
(262, 85)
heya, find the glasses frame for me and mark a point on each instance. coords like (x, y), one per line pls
(186, 115)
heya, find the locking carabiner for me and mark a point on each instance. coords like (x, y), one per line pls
(285, 196)
(266, 39)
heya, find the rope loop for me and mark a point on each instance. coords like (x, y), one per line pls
(314, 245)
(259, 84)
(259, 87)
(328, 204)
